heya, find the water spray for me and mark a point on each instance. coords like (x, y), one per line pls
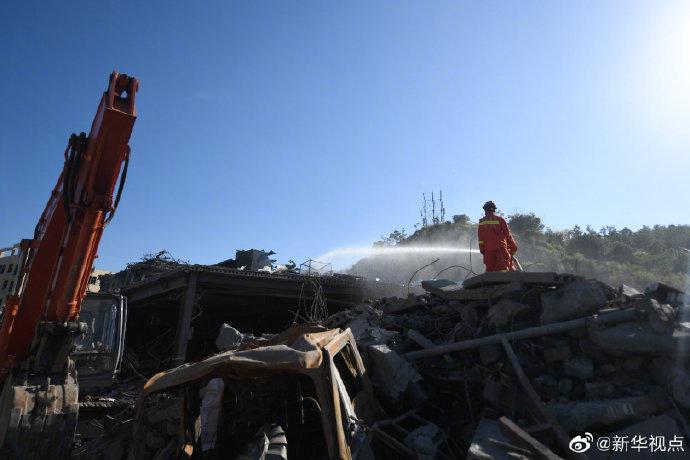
(393, 250)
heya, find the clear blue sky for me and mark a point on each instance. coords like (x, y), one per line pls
(304, 126)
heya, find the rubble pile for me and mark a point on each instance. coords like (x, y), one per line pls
(149, 266)
(525, 365)
(513, 365)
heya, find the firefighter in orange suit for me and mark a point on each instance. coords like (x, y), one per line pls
(495, 241)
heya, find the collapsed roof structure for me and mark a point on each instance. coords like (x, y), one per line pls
(504, 365)
(187, 306)
(518, 365)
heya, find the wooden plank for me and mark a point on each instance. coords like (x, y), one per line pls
(541, 413)
(517, 434)
(511, 448)
(424, 342)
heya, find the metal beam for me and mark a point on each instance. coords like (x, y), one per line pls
(613, 317)
(183, 333)
(156, 287)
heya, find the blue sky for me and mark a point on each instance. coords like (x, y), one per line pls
(306, 126)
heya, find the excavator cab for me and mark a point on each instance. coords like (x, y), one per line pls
(98, 351)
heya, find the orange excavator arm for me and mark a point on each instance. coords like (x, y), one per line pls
(40, 321)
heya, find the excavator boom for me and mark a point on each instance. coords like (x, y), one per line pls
(41, 319)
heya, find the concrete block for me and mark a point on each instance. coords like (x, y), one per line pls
(581, 415)
(228, 338)
(629, 292)
(440, 287)
(574, 300)
(501, 314)
(632, 339)
(392, 373)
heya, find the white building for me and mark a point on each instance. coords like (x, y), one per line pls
(10, 265)
(95, 279)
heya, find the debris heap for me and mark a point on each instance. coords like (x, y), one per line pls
(505, 365)
(527, 365)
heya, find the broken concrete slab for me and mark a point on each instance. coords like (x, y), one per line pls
(629, 292)
(582, 415)
(661, 316)
(537, 278)
(632, 338)
(391, 372)
(397, 305)
(367, 334)
(228, 338)
(501, 314)
(664, 293)
(574, 300)
(439, 287)
(457, 292)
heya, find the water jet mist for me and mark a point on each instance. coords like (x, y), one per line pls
(393, 250)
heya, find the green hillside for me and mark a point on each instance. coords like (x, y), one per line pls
(616, 256)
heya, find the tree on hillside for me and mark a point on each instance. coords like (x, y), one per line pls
(590, 243)
(395, 237)
(621, 252)
(634, 257)
(461, 219)
(525, 224)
